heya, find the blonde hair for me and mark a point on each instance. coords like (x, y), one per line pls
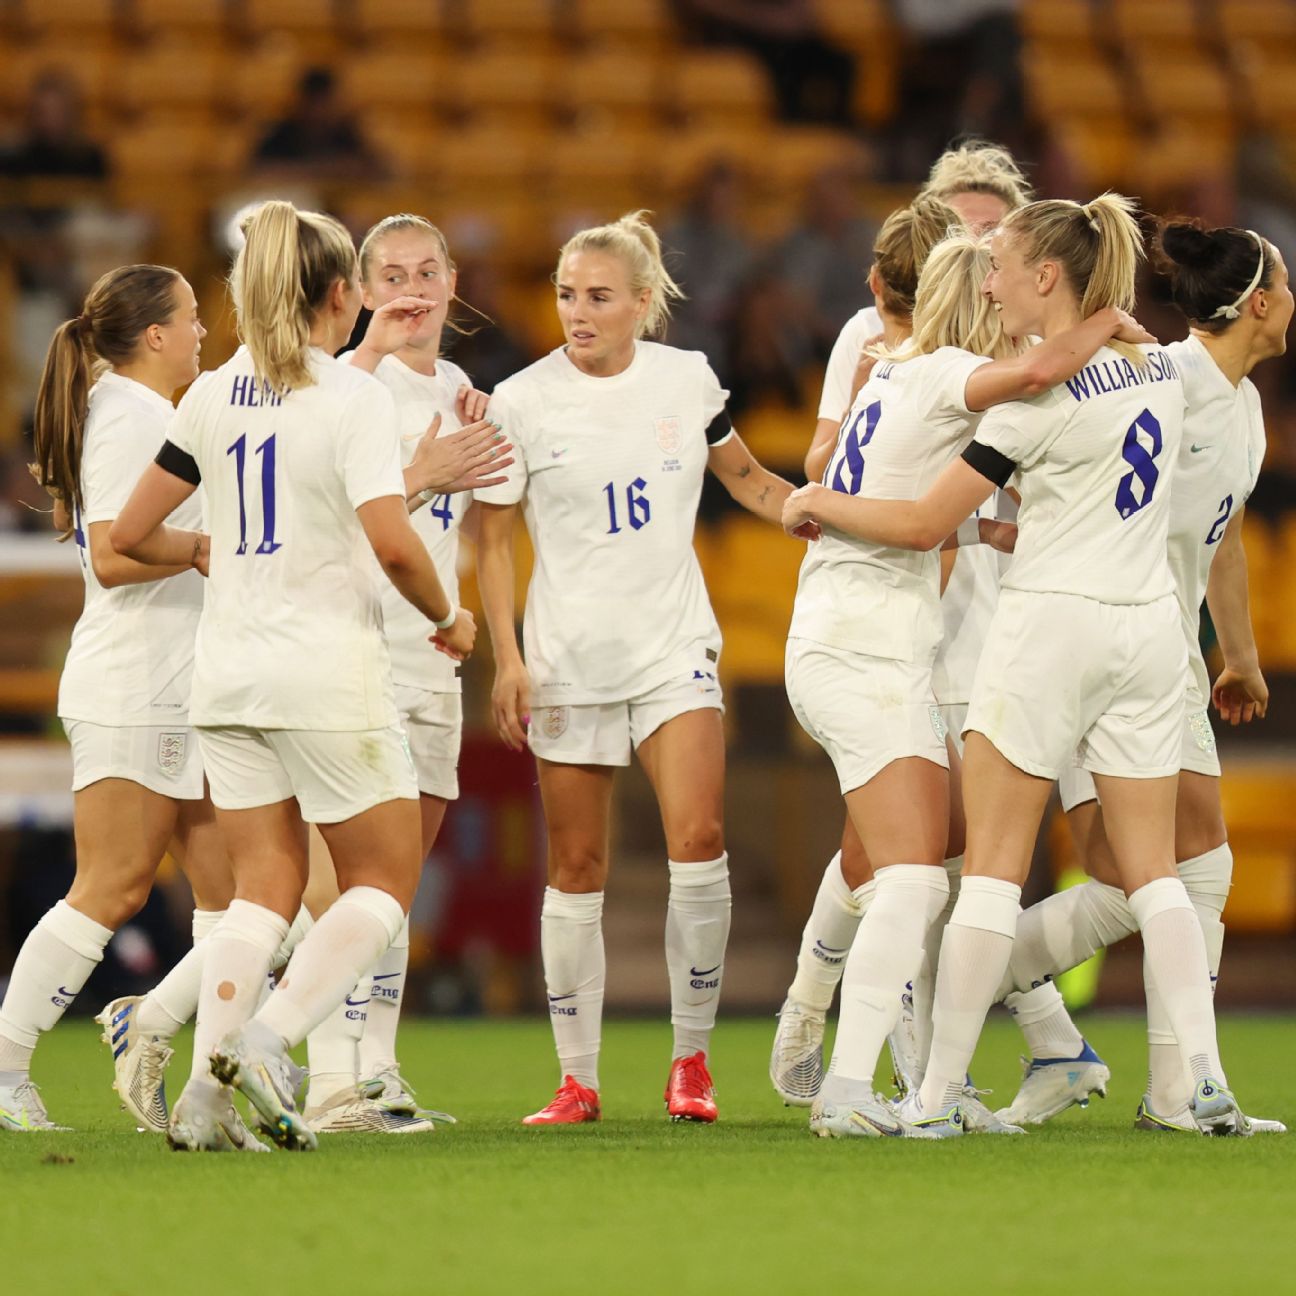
(395, 225)
(636, 243)
(281, 278)
(979, 167)
(903, 244)
(114, 316)
(950, 310)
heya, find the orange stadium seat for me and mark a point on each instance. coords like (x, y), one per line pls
(604, 174)
(64, 17)
(206, 17)
(1270, 81)
(1267, 24)
(313, 24)
(1061, 88)
(795, 154)
(490, 160)
(854, 23)
(176, 73)
(614, 86)
(93, 66)
(1183, 87)
(503, 84)
(381, 20)
(387, 77)
(642, 23)
(409, 140)
(1058, 22)
(714, 87)
(1257, 802)
(506, 22)
(263, 80)
(1156, 26)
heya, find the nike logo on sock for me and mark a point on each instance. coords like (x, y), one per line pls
(384, 976)
(704, 971)
(560, 998)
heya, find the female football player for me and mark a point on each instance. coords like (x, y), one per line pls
(292, 693)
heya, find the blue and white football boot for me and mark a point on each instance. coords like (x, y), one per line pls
(1051, 1085)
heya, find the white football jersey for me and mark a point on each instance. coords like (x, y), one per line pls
(842, 361)
(1096, 456)
(132, 652)
(1219, 462)
(610, 471)
(907, 423)
(291, 632)
(967, 608)
(419, 399)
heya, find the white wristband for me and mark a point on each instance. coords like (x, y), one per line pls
(449, 620)
(969, 532)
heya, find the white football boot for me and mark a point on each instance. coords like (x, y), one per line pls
(254, 1060)
(915, 1123)
(22, 1111)
(205, 1120)
(139, 1064)
(350, 1112)
(1051, 1085)
(1215, 1111)
(796, 1066)
(978, 1118)
(1181, 1121)
(906, 1061)
(850, 1109)
(393, 1093)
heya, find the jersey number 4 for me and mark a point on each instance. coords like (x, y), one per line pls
(846, 471)
(1142, 461)
(267, 452)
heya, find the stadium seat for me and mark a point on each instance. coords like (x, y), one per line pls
(263, 80)
(413, 77)
(644, 24)
(163, 148)
(408, 20)
(1266, 24)
(603, 173)
(779, 437)
(614, 87)
(93, 63)
(506, 85)
(174, 73)
(854, 23)
(795, 154)
(1155, 26)
(1182, 88)
(312, 24)
(1101, 151)
(65, 18)
(511, 23)
(411, 141)
(490, 160)
(716, 87)
(1058, 22)
(208, 18)
(1087, 87)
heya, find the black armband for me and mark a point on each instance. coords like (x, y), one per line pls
(988, 461)
(178, 463)
(719, 428)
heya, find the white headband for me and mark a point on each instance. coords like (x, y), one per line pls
(1231, 312)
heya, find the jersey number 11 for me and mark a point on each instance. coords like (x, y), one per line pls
(267, 452)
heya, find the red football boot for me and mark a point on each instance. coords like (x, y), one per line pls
(690, 1095)
(573, 1104)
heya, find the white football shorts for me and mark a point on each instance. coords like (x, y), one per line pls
(433, 724)
(163, 758)
(1066, 680)
(604, 733)
(333, 775)
(865, 712)
(954, 715)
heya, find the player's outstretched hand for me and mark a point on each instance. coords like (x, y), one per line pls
(470, 404)
(511, 704)
(1131, 330)
(473, 457)
(1241, 696)
(998, 535)
(798, 510)
(458, 640)
(394, 323)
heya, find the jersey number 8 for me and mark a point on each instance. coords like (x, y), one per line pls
(1142, 462)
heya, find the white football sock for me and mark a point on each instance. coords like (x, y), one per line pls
(883, 959)
(236, 959)
(826, 940)
(974, 955)
(1175, 954)
(1207, 879)
(1045, 1022)
(331, 959)
(333, 1047)
(53, 964)
(923, 989)
(1064, 930)
(296, 933)
(697, 932)
(571, 946)
(174, 1000)
(387, 989)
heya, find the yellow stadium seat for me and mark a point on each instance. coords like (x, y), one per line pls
(1183, 88)
(262, 81)
(64, 17)
(779, 437)
(410, 141)
(412, 78)
(1257, 801)
(796, 154)
(715, 87)
(854, 23)
(490, 159)
(173, 74)
(417, 21)
(644, 24)
(1266, 563)
(1268, 24)
(163, 148)
(1154, 24)
(313, 24)
(505, 22)
(686, 152)
(1086, 87)
(1270, 81)
(504, 84)
(1068, 22)
(93, 66)
(169, 17)
(1101, 151)
(615, 86)
(604, 174)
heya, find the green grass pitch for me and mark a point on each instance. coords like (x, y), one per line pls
(637, 1205)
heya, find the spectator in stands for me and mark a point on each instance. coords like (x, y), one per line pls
(319, 138)
(53, 141)
(711, 257)
(813, 79)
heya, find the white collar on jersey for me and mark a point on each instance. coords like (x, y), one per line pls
(1232, 312)
(111, 378)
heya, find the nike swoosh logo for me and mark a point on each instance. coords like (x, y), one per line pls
(557, 454)
(832, 949)
(71, 994)
(356, 1003)
(699, 972)
(1196, 449)
(384, 976)
(560, 998)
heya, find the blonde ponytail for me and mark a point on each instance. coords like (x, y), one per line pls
(281, 278)
(903, 245)
(635, 242)
(1120, 249)
(122, 304)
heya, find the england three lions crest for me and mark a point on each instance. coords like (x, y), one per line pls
(171, 751)
(669, 436)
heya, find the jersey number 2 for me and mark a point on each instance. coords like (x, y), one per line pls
(1217, 528)
(267, 452)
(1142, 462)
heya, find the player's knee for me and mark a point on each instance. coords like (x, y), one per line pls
(577, 867)
(698, 839)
